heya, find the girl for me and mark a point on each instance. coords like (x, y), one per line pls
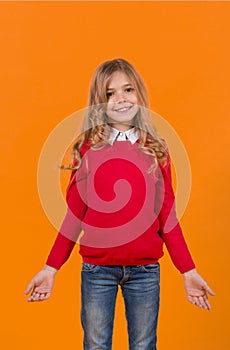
(120, 194)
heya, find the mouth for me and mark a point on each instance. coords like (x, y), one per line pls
(123, 109)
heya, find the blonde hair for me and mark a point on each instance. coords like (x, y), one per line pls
(95, 130)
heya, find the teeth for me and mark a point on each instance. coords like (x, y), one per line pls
(123, 109)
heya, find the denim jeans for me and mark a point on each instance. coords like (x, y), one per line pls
(140, 289)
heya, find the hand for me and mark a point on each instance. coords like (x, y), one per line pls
(196, 289)
(41, 285)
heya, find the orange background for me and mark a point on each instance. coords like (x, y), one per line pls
(48, 54)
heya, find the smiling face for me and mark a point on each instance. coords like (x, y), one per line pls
(122, 101)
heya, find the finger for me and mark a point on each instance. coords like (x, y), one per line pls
(48, 295)
(208, 289)
(197, 301)
(31, 298)
(41, 290)
(202, 302)
(29, 287)
(37, 290)
(44, 296)
(34, 301)
(207, 302)
(36, 296)
(190, 299)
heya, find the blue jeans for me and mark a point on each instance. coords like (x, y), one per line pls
(140, 289)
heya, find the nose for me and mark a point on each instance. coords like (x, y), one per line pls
(120, 97)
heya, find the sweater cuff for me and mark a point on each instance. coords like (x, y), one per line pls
(60, 251)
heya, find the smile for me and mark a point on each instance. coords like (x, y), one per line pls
(123, 109)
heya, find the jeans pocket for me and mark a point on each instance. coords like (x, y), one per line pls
(151, 267)
(86, 267)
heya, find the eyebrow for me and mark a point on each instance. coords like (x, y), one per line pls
(128, 84)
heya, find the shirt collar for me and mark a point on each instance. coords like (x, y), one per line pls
(132, 135)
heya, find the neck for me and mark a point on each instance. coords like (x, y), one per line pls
(121, 127)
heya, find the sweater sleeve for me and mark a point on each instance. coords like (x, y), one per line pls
(71, 225)
(170, 229)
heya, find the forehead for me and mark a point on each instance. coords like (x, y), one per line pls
(118, 79)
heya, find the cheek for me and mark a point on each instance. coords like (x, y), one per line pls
(109, 107)
(133, 98)
(136, 109)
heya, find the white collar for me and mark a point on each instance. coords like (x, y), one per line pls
(116, 135)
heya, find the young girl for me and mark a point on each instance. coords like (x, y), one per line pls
(120, 194)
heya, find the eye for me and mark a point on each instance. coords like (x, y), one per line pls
(109, 94)
(129, 89)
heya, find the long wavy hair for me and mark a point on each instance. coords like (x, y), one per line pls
(95, 129)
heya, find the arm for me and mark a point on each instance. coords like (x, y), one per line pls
(196, 288)
(77, 207)
(170, 229)
(71, 226)
(42, 284)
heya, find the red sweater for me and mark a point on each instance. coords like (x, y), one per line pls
(126, 214)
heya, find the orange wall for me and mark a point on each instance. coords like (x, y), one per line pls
(48, 53)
